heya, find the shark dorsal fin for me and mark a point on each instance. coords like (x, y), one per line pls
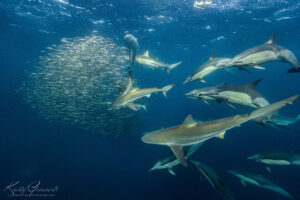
(272, 39)
(254, 83)
(212, 56)
(129, 84)
(222, 84)
(146, 54)
(188, 120)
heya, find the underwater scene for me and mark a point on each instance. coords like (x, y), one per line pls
(149, 99)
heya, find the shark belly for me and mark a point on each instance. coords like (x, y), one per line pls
(259, 57)
(237, 97)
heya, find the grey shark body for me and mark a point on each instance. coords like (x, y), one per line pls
(133, 47)
(267, 52)
(190, 132)
(259, 181)
(146, 61)
(277, 157)
(171, 161)
(207, 68)
(214, 179)
(131, 94)
(246, 95)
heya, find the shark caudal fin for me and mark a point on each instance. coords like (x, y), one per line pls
(172, 66)
(129, 84)
(271, 108)
(166, 89)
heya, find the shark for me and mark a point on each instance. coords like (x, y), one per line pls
(130, 94)
(171, 161)
(214, 179)
(145, 60)
(259, 181)
(190, 132)
(267, 52)
(210, 66)
(245, 95)
(290, 157)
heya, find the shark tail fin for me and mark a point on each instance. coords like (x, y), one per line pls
(166, 89)
(291, 99)
(172, 66)
(272, 39)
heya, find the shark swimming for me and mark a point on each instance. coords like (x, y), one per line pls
(246, 94)
(267, 52)
(130, 94)
(259, 181)
(171, 161)
(191, 132)
(207, 68)
(145, 60)
(214, 179)
(290, 157)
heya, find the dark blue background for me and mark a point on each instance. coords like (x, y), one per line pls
(85, 165)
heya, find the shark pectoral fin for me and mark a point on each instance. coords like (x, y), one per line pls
(170, 170)
(148, 95)
(132, 106)
(178, 152)
(243, 183)
(221, 135)
(268, 169)
(202, 81)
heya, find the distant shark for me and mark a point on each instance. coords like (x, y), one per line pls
(207, 68)
(145, 60)
(246, 95)
(214, 179)
(259, 181)
(291, 157)
(171, 161)
(267, 52)
(190, 132)
(131, 94)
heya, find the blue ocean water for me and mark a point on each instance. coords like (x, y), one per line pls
(83, 164)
